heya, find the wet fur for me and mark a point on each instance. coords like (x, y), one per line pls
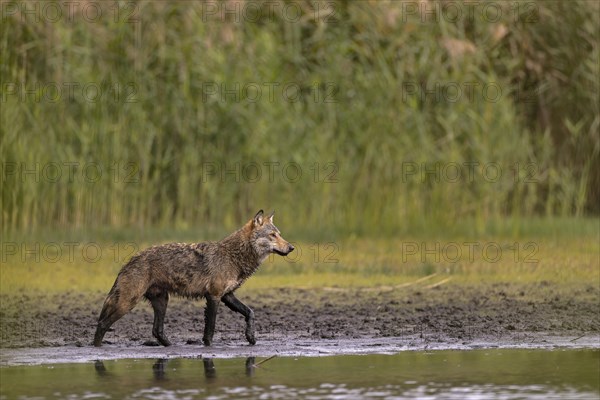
(213, 270)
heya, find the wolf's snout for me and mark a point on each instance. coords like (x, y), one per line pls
(290, 248)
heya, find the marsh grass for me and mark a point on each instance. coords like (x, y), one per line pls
(154, 130)
(567, 257)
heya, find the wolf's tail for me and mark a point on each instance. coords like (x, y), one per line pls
(128, 289)
(109, 314)
(111, 301)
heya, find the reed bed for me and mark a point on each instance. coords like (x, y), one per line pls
(353, 118)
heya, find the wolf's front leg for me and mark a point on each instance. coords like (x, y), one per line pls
(236, 305)
(210, 317)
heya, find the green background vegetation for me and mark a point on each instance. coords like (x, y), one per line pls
(362, 91)
(357, 65)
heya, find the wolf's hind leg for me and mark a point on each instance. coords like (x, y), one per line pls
(159, 301)
(210, 318)
(236, 305)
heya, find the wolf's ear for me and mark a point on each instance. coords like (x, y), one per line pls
(258, 218)
(271, 216)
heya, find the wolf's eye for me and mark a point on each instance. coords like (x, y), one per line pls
(273, 234)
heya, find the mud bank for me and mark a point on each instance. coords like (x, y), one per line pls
(287, 347)
(311, 322)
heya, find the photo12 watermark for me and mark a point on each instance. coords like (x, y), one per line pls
(70, 172)
(470, 251)
(448, 92)
(68, 11)
(469, 11)
(269, 92)
(269, 171)
(67, 252)
(74, 12)
(249, 11)
(312, 253)
(67, 92)
(468, 172)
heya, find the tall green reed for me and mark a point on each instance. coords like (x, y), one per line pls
(183, 116)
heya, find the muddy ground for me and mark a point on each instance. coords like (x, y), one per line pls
(448, 314)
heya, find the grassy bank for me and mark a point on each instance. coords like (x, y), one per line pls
(568, 256)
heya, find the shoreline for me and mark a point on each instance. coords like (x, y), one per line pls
(284, 347)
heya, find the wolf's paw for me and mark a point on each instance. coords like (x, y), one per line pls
(160, 336)
(251, 339)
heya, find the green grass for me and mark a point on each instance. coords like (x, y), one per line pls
(565, 258)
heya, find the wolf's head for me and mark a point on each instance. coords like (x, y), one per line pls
(266, 238)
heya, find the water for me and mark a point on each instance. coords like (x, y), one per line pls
(476, 374)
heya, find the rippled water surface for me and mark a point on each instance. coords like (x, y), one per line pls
(476, 374)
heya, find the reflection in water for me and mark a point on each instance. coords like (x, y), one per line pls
(250, 366)
(479, 374)
(210, 372)
(159, 368)
(209, 369)
(100, 368)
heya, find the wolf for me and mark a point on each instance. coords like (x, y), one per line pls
(213, 270)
